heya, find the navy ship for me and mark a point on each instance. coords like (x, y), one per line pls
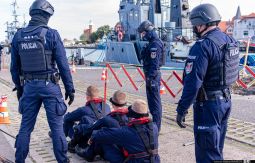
(171, 20)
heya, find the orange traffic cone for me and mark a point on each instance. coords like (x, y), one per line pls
(73, 68)
(162, 90)
(4, 116)
(103, 77)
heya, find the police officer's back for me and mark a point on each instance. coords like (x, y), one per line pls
(210, 69)
(152, 57)
(37, 55)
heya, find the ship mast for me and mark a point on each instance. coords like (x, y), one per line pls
(12, 27)
(14, 14)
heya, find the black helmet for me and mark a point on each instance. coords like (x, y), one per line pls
(41, 5)
(145, 26)
(204, 14)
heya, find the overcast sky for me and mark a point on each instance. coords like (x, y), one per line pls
(72, 16)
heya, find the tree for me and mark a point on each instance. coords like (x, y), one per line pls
(82, 37)
(103, 30)
(93, 37)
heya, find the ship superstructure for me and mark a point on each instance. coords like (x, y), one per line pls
(171, 19)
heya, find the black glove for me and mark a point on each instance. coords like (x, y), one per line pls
(19, 92)
(71, 97)
(180, 119)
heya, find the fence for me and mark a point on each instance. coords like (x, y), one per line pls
(124, 75)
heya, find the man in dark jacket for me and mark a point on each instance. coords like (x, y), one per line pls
(94, 109)
(115, 119)
(37, 54)
(152, 57)
(138, 141)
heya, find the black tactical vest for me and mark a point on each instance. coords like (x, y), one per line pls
(33, 56)
(225, 73)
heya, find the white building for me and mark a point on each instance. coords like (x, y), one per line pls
(244, 26)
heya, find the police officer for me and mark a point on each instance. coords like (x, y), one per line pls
(35, 53)
(1, 48)
(210, 69)
(151, 56)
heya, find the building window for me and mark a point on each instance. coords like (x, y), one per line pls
(245, 33)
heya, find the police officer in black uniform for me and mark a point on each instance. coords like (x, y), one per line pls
(152, 56)
(210, 69)
(36, 52)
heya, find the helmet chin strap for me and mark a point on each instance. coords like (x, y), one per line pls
(199, 34)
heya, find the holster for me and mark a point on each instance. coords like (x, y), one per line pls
(55, 77)
(201, 96)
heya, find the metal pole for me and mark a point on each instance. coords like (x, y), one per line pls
(168, 89)
(129, 77)
(114, 74)
(105, 84)
(247, 52)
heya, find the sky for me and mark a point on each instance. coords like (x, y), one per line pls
(71, 17)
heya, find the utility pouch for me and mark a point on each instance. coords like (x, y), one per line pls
(22, 80)
(55, 77)
(60, 107)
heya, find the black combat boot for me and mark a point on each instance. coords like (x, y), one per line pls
(86, 153)
(71, 146)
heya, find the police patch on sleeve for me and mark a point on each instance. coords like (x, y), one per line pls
(188, 68)
(153, 55)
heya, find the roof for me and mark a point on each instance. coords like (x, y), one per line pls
(250, 16)
(224, 25)
(238, 13)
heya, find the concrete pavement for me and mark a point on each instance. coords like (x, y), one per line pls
(171, 138)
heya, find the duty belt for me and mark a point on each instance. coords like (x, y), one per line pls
(225, 93)
(54, 77)
(38, 77)
(213, 95)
